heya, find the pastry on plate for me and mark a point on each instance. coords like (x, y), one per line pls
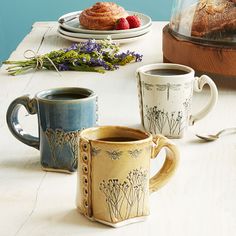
(102, 16)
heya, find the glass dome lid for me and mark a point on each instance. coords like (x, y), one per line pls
(206, 21)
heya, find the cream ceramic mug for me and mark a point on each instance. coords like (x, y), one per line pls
(113, 173)
(165, 98)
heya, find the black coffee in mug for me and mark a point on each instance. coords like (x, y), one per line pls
(69, 95)
(118, 139)
(65, 96)
(166, 72)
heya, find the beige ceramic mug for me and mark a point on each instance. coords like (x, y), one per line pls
(114, 173)
(165, 98)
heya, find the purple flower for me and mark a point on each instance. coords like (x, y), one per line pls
(63, 67)
(138, 57)
(90, 46)
(107, 67)
(74, 46)
(123, 55)
(100, 62)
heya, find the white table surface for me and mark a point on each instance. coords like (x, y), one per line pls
(200, 198)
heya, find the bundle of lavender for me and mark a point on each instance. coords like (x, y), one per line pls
(85, 56)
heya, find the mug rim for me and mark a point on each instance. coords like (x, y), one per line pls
(41, 95)
(148, 135)
(185, 68)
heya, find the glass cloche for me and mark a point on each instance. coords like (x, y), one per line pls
(205, 21)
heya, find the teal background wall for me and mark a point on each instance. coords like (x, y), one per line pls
(17, 16)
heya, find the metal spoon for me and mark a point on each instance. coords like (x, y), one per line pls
(213, 137)
(67, 19)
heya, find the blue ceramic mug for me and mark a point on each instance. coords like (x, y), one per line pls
(62, 113)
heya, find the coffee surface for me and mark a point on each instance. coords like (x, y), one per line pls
(118, 139)
(65, 96)
(166, 72)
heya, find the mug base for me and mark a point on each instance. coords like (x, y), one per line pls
(117, 224)
(123, 223)
(174, 136)
(57, 170)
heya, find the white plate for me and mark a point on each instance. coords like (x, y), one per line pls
(74, 25)
(104, 36)
(119, 41)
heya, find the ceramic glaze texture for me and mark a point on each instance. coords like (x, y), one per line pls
(122, 188)
(166, 103)
(113, 176)
(119, 171)
(166, 100)
(59, 126)
(60, 121)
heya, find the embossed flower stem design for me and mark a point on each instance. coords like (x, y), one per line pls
(51, 140)
(156, 118)
(175, 123)
(72, 139)
(150, 117)
(161, 120)
(137, 180)
(122, 197)
(58, 139)
(113, 194)
(187, 106)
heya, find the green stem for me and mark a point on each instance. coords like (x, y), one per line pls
(19, 71)
(87, 68)
(15, 62)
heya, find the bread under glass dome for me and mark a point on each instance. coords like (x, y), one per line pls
(205, 21)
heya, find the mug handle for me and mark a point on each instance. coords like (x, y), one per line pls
(169, 166)
(198, 85)
(13, 122)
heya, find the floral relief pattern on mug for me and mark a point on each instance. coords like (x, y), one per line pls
(158, 120)
(60, 140)
(187, 107)
(126, 199)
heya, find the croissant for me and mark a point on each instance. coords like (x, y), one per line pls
(101, 16)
